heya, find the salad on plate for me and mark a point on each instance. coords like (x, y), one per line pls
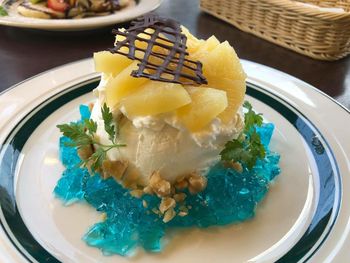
(70, 9)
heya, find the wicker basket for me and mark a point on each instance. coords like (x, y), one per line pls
(305, 26)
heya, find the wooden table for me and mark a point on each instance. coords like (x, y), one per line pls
(24, 53)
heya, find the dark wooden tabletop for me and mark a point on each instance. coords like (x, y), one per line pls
(24, 53)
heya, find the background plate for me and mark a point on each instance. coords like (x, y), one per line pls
(16, 20)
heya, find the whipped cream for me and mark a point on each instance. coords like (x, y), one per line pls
(161, 143)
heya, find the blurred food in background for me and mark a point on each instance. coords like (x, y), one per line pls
(57, 9)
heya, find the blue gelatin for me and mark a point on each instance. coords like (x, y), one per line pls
(265, 131)
(84, 112)
(70, 186)
(230, 197)
(68, 155)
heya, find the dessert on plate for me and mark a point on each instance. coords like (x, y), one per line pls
(57, 9)
(169, 140)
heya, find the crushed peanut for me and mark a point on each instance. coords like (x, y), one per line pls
(148, 190)
(136, 193)
(182, 213)
(131, 178)
(235, 165)
(160, 186)
(156, 211)
(91, 106)
(166, 204)
(169, 215)
(180, 197)
(197, 183)
(104, 216)
(181, 184)
(85, 152)
(114, 168)
(144, 203)
(183, 209)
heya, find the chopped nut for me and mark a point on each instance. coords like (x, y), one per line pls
(104, 216)
(182, 184)
(148, 190)
(197, 183)
(182, 213)
(166, 204)
(180, 197)
(114, 168)
(131, 186)
(130, 179)
(235, 165)
(183, 209)
(169, 215)
(144, 203)
(156, 211)
(172, 190)
(136, 193)
(91, 106)
(85, 152)
(160, 186)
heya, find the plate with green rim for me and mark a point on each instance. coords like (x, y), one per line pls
(303, 218)
(14, 19)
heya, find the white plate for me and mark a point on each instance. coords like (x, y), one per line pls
(16, 20)
(304, 217)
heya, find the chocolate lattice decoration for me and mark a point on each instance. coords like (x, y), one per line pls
(169, 65)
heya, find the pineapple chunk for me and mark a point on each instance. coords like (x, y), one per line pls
(109, 63)
(235, 90)
(222, 62)
(123, 85)
(223, 70)
(155, 98)
(207, 103)
(192, 43)
(198, 48)
(206, 47)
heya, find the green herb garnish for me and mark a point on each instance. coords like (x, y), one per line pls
(247, 148)
(108, 121)
(251, 118)
(3, 11)
(82, 134)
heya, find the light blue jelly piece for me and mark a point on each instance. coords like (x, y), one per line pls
(70, 187)
(265, 131)
(112, 237)
(268, 167)
(84, 112)
(150, 238)
(68, 155)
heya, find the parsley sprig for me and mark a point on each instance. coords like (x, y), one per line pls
(107, 117)
(3, 11)
(247, 148)
(83, 134)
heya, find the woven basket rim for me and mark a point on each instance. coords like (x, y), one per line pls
(309, 11)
